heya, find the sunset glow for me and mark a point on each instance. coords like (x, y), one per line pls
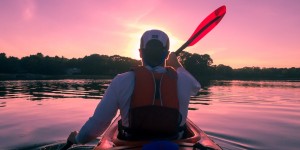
(252, 33)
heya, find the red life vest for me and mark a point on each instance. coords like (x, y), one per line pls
(154, 108)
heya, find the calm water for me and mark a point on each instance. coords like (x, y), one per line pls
(236, 114)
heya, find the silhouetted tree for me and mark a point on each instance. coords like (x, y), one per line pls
(95, 64)
(39, 64)
(197, 65)
(121, 64)
(32, 63)
(3, 62)
(73, 63)
(222, 71)
(9, 65)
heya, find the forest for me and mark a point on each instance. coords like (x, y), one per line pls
(200, 66)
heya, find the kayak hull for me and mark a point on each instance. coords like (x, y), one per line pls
(194, 135)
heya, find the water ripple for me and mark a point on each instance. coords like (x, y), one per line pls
(45, 89)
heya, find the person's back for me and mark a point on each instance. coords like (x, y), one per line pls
(152, 99)
(154, 106)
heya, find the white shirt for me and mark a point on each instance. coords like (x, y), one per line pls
(117, 97)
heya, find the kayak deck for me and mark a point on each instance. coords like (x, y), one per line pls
(194, 135)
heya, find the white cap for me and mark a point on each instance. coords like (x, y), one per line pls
(157, 35)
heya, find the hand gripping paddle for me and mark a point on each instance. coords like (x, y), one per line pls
(204, 27)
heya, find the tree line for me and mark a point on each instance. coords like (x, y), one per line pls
(200, 66)
(94, 64)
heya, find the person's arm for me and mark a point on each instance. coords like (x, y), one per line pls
(185, 78)
(187, 86)
(101, 119)
(193, 84)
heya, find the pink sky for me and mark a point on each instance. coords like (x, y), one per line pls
(252, 33)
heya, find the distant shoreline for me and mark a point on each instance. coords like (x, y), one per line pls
(95, 66)
(28, 76)
(4, 77)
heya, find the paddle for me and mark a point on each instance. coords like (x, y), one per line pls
(204, 27)
(67, 146)
(69, 143)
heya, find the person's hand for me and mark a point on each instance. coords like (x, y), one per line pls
(173, 61)
(72, 137)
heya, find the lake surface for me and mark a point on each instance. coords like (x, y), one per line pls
(235, 114)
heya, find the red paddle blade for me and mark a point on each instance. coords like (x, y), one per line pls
(204, 27)
(207, 25)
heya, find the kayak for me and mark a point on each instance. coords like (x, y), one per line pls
(195, 139)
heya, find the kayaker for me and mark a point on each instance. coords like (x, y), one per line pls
(152, 98)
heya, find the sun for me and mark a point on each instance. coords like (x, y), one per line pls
(136, 52)
(133, 47)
